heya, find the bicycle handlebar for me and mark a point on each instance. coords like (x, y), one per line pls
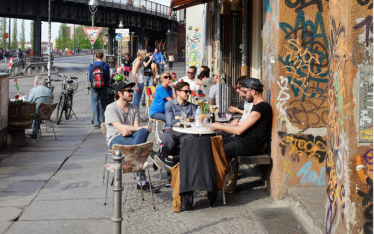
(74, 78)
(56, 80)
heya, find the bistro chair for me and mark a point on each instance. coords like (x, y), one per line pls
(45, 112)
(150, 90)
(135, 160)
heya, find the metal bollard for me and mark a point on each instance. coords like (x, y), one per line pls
(117, 192)
(87, 84)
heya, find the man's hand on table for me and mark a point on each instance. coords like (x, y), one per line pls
(215, 126)
(234, 109)
(235, 122)
(177, 117)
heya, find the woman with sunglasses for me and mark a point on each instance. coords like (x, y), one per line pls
(164, 93)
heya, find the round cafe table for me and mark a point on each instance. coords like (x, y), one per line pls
(194, 130)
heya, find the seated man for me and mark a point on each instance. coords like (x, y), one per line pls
(240, 84)
(214, 92)
(40, 93)
(170, 138)
(123, 124)
(190, 79)
(253, 133)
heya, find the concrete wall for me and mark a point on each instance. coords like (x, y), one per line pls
(295, 74)
(349, 162)
(4, 98)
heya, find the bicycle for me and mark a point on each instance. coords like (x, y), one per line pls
(65, 104)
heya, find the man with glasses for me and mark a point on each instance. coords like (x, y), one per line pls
(190, 79)
(123, 124)
(172, 139)
(247, 105)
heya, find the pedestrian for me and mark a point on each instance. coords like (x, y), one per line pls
(138, 76)
(126, 67)
(159, 60)
(148, 72)
(171, 60)
(20, 55)
(78, 50)
(99, 77)
(6, 56)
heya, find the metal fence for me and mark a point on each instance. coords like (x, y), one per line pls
(143, 6)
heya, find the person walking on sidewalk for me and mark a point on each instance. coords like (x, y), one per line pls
(126, 67)
(123, 125)
(159, 60)
(148, 72)
(138, 76)
(99, 77)
(171, 60)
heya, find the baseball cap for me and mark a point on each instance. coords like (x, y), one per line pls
(123, 85)
(255, 84)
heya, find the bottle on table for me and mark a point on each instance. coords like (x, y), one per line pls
(212, 117)
(198, 117)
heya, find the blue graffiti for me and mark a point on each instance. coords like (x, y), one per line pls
(311, 177)
(268, 6)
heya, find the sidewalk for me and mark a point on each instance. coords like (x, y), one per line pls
(56, 186)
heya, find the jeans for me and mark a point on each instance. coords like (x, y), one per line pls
(97, 94)
(138, 96)
(137, 137)
(148, 81)
(160, 68)
(172, 141)
(36, 124)
(159, 116)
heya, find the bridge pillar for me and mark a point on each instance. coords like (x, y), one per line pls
(110, 40)
(141, 34)
(37, 38)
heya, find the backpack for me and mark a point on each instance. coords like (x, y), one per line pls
(97, 76)
(6, 54)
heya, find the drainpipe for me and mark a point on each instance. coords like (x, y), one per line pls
(245, 38)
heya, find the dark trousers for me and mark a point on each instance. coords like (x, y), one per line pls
(235, 147)
(171, 65)
(172, 140)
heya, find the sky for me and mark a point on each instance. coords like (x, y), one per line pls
(54, 26)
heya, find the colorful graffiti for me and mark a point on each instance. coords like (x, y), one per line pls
(287, 166)
(311, 177)
(269, 5)
(301, 4)
(310, 146)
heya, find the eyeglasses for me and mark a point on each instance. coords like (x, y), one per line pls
(167, 77)
(190, 72)
(239, 87)
(128, 90)
(186, 91)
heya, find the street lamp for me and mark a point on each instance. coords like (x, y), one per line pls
(49, 44)
(120, 44)
(93, 8)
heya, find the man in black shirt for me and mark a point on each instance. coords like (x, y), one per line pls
(148, 72)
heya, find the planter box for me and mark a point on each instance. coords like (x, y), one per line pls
(4, 98)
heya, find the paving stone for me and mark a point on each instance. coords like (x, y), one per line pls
(97, 158)
(54, 143)
(67, 209)
(48, 149)
(63, 226)
(34, 160)
(43, 153)
(4, 225)
(72, 193)
(20, 186)
(16, 199)
(81, 169)
(68, 180)
(9, 213)
(27, 173)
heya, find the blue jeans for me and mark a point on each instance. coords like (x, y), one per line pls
(138, 96)
(160, 68)
(148, 81)
(36, 124)
(137, 137)
(159, 116)
(96, 95)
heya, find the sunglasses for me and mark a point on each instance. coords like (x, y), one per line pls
(167, 77)
(128, 90)
(190, 72)
(186, 91)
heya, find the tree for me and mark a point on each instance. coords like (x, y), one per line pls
(63, 40)
(4, 24)
(32, 34)
(14, 43)
(23, 35)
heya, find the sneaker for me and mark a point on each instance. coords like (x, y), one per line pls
(146, 186)
(163, 163)
(158, 153)
(97, 126)
(143, 104)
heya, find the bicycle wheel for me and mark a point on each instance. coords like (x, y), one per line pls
(60, 109)
(69, 105)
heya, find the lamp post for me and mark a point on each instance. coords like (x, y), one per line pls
(78, 42)
(49, 44)
(120, 45)
(93, 8)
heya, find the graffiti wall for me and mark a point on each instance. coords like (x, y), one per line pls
(195, 36)
(349, 163)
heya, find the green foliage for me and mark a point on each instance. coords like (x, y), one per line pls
(63, 40)
(23, 35)
(4, 30)
(14, 42)
(32, 34)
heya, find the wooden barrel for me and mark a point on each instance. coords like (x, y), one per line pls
(21, 116)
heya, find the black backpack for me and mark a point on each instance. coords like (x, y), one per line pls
(97, 76)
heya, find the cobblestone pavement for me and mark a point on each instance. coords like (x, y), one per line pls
(56, 186)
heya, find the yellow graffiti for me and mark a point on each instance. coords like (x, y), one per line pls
(334, 188)
(193, 61)
(300, 146)
(366, 134)
(286, 165)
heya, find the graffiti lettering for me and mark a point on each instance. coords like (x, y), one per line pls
(368, 214)
(360, 55)
(283, 96)
(286, 165)
(311, 177)
(269, 4)
(365, 2)
(368, 24)
(311, 146)
(304, 4)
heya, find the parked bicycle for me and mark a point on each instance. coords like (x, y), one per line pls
(65, 104)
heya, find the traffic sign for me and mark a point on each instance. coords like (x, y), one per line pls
(105, 38)
(126, 38)
(92, 34)
(118, 37)
(123, 31)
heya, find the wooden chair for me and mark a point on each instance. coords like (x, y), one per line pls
(45, 112)
(135, 161)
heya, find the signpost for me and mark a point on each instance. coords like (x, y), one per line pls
(92, 34)
(119, 39)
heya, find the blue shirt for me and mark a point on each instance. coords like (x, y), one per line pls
(158, 57)
(38, 95)
(158, 103)
(173, 109)
(105, 69)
